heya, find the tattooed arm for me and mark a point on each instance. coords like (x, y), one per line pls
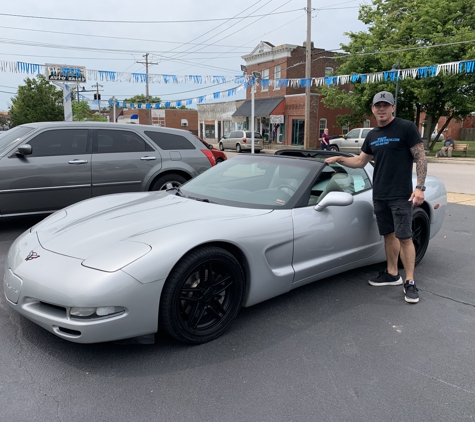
(421, 170)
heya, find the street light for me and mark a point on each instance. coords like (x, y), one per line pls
(394, 68)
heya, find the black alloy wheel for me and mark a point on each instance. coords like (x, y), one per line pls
(202, 295)
(420, 232)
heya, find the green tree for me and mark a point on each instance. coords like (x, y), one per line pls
(36, 101)
(413, 33)
(140, 98)
(82, 111)
(4, 122)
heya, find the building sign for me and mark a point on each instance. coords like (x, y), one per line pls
(65, 73)
(276, 119)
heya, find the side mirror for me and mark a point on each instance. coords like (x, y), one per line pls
(336, 199)
(24, 150)
(209, 146)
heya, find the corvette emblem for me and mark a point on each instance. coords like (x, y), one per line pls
(32, 255)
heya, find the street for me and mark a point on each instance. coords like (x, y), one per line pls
(336, 350)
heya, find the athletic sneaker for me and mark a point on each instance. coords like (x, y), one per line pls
(410, 291)
(386, 279)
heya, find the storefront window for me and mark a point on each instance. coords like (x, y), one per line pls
(210, 131)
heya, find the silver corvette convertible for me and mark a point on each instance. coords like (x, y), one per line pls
(186, 259)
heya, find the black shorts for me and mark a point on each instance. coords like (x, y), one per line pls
(394, 216)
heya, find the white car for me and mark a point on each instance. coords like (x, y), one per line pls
(351, 142)
(241, 140)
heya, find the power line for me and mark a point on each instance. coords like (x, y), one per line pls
(108, 36)
(140, 22)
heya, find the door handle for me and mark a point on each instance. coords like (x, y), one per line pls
(77, 162)
(147, 158)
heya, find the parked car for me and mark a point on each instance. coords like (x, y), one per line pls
(48, 166)
(123, 265)
(219, 156)
(351, 142)
(241, 140)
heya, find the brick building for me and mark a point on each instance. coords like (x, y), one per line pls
(283, 122)
(174, 118)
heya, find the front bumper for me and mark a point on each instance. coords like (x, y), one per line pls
(45, 288)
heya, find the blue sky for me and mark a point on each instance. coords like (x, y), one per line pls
(206, 37)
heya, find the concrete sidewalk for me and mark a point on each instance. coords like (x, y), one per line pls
(461, 198)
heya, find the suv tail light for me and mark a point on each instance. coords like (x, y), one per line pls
(210, 156)
(244, 140)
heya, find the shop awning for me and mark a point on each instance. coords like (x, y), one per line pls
(262, 107)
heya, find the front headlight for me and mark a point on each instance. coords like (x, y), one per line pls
(117, 256)
(95, 313)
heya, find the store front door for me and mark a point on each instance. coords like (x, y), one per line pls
(298, 128)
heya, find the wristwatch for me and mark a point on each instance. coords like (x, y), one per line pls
(422, 188)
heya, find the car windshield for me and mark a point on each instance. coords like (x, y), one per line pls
(253, 182)
(13, 136)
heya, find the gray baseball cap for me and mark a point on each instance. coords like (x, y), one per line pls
(384, 96)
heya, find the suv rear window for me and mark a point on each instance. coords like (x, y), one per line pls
(168, 141)
(256, 135)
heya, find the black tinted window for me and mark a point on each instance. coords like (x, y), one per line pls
(59, 142)
(256, 135)
(120, 141)
(167, 141)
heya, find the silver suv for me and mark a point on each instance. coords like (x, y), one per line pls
(351, 142)
(48, 166)
(240, 140)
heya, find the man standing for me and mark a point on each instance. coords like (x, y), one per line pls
(325, 145)
(394, 144)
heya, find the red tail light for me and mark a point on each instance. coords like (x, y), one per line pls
(210, 156)
(244, 140)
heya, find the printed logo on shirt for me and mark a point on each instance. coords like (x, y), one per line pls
(384, 141)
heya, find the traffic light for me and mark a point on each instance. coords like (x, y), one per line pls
(97, 97)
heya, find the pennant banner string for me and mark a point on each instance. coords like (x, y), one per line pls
(244, 81)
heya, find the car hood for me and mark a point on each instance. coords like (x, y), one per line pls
(136, 220)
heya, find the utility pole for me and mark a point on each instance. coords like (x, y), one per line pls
(97, 96)
(147, 97)
(113, 99)
(308, 67)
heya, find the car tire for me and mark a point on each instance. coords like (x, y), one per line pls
(334, 148)
(161, 182)
(257, 151)
(219, 160)
(221, 146)
(420, 232)
(202, 295)
(238, 148)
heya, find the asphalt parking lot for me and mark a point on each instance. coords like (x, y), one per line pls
(335, 350)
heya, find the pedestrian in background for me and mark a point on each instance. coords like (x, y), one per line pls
(325, 144)
(447, 149)
(394, 145)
